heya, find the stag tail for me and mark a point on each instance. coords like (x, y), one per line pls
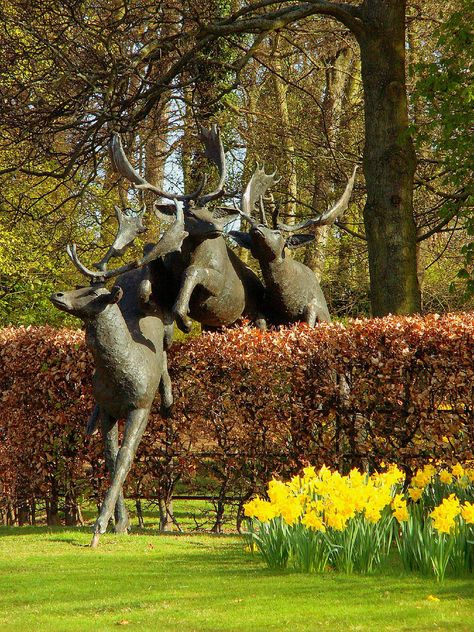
(330, 216)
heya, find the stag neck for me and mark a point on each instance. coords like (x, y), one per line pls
(108, 336)
(270, 267)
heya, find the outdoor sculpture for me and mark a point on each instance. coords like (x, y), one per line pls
(292, 292)
(212, 285)
(189, 273)
(127, 334)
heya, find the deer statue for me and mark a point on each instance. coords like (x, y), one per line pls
(127, 334)
(212, 285)
(292, 292)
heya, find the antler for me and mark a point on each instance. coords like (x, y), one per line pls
(122, 165)
(214, 151)
(171, 240)
(258, 185)
(330, 216)
(129, 227)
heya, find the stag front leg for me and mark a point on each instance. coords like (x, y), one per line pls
(315, 312)
(111, 448)
(210, 280)
(166, 392)
(134, 428)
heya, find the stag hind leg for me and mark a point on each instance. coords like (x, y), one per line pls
(315, 312)
(111, 448)
(134, 428)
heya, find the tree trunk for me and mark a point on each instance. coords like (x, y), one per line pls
(23, 514)
(220, 509)
(389, 161)
(52, 505)
(52, 512)
(166, 514)
(139, 509)
(70, 510)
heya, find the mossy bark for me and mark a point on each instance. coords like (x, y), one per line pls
(389, 161)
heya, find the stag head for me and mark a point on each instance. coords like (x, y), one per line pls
(86, 302)
(200, 221)
(128, 230)
(267, 244)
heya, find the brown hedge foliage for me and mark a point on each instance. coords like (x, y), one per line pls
(249, 404)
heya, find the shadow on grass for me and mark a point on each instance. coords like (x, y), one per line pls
(134, 531)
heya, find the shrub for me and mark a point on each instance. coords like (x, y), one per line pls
(249, 404)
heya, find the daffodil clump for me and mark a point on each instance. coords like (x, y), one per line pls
(437, 533)
(322, 519)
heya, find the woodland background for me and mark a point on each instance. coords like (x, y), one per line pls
(286, 95)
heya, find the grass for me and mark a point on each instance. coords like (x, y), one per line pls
(50, 580)
(189, 514)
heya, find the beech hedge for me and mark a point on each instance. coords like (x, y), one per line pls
(248, 405)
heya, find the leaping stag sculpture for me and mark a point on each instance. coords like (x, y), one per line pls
(212, 285)
(126, 333)
(292, 292)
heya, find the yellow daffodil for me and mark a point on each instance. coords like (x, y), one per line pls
(444, 516)
(467, 512)
(290, 510)
(415, 493)
(260, 509)
(335, 521)
(399, 506)
(445, 477)
(277, 491)
(313, 521)
(457, 470)
(423, 477)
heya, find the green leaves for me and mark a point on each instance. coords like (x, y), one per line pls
(446, 94)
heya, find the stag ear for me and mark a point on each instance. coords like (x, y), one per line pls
(225, 214)
(115, 295)
(295, 241)
(242, 239)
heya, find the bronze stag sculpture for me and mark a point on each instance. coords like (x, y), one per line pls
(292, 291)
(128, 339)
(212, 285)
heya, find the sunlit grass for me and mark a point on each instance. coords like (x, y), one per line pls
(52, 580)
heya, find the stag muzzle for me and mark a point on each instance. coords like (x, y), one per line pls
(59, 300)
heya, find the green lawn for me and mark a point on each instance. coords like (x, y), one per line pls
(52, 580)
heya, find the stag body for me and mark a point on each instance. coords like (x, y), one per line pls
(127, 335)
(215, 287)
(292, 291)
(126, 344)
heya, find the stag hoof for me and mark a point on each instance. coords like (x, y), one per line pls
(166, 411)
(184, 323)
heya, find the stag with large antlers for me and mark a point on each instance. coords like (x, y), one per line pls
(127, 334)
(292, 292)
(212, 285)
